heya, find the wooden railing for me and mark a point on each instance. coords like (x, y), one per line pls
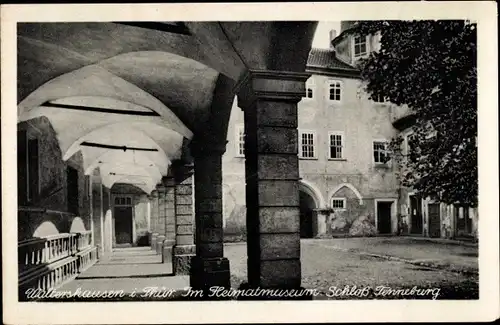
(48, 262)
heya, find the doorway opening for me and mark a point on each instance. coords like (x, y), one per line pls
(123, 222)
(307, 206)
(464, 222)
(417, 224)
(72, 189)
(384, 217)
(434, 220)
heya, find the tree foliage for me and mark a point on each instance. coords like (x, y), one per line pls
(430, 66)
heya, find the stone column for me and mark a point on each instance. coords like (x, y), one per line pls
(161, 219)
(148, 217)
(169, 183)
(91, 211)
(97, 212)
(151, 225)
(184, 248)
(154, 219)
(209, 266)
(108, 220)
(269, 100)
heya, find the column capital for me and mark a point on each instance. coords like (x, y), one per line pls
(181, 170)
(168, 181)
(271, 85)
(208, 148)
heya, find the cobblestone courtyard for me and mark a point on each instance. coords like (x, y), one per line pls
(343, 262)
(327, 265)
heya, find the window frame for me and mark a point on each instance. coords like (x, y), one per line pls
(310, 84)
(33, 191)
(367, 51)
(127, 200)
(386, 142)
(342, 134)
(384, 100)
(344, 203)
(314, 144)
(338, 82)
(28, 170)
(407, 142)
(73, 201)
(240, 129)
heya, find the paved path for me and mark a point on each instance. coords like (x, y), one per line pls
(137, 270)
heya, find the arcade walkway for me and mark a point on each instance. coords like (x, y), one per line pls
(143, 163)
(128, 269)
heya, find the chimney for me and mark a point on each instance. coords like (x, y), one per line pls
(333, 34)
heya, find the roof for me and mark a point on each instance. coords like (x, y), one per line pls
(327, 59)
(346, 30)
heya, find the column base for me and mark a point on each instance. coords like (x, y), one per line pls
(159, 244)
(260, 293)
(168, 251)
(154, 236)
(209, 272)
(183, 255)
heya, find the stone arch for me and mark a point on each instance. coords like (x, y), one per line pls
(314, 192)
(77, 225)
(46, 228)
(311, 200)
(349, 186)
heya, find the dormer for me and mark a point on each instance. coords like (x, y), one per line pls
(351, 46)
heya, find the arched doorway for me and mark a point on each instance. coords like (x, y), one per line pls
(307, 217)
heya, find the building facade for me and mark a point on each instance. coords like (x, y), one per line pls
(347, 186)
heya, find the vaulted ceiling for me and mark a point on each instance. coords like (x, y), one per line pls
(131, 95)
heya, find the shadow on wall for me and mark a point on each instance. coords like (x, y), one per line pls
(355, 221)
(235, 229)
(143, 240)
(39, 224)
(48, 228)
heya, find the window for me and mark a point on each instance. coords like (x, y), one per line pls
(240, 141)
(409, 142)
(378, 98)
(338, 203)
(72, 189)
(380, 154)
(309, 88)
(336, 145)
(123, 200)
(307, 145)
(28, 168)
(359, 46)
(335, 90)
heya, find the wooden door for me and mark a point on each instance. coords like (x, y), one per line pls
(123, 225)
(384, 217)
(434, 220)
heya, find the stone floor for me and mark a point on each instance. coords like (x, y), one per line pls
(129, 269)
(451, 255)
(326, 266)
